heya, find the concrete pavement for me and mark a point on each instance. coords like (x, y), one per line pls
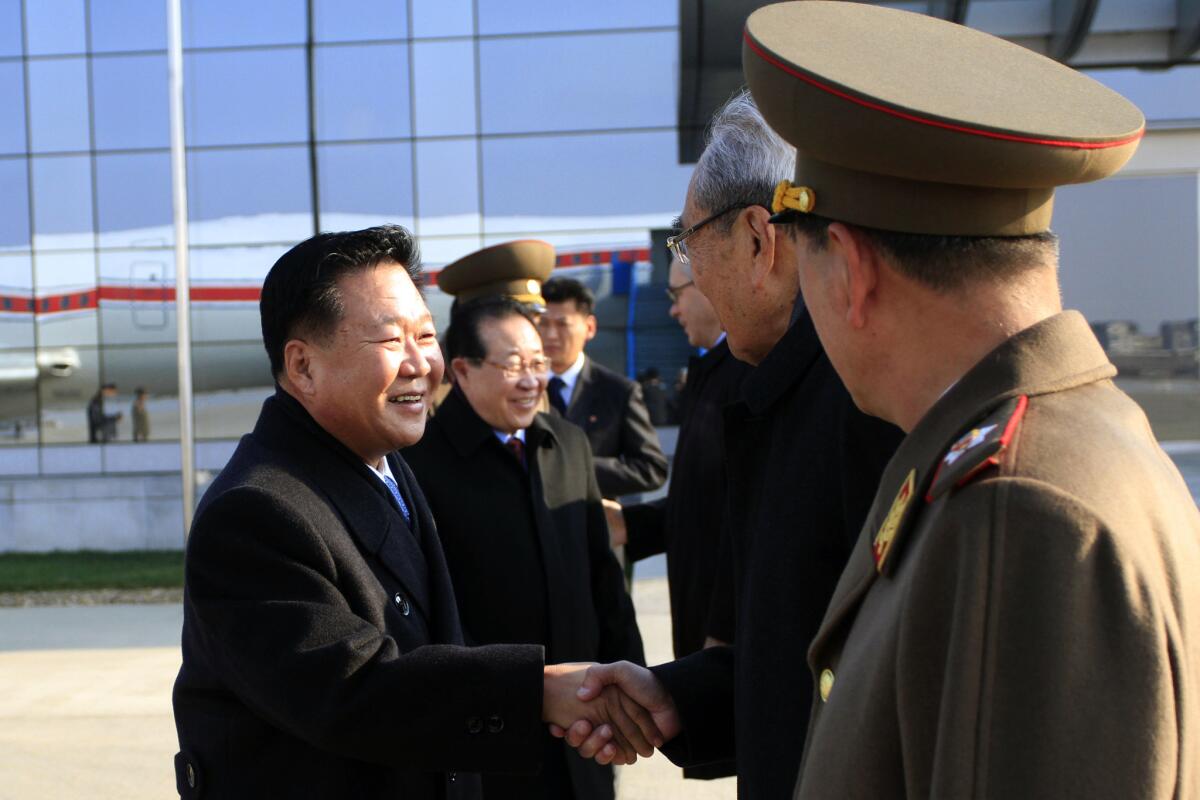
(85, 708)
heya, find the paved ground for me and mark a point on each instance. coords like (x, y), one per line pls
(85, 710)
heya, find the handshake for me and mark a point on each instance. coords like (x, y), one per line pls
(610, 712)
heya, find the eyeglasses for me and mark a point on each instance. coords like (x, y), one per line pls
(677, 243)
(673, 292)
(512, 370)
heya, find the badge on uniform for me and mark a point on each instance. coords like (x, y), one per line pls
(977, 449)
(886, 534)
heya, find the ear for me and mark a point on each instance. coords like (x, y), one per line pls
(458, 370)
(299, 366)
(753, 221)
(591, 327)
(858, 269)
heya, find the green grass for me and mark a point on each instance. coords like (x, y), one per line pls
(89, 569)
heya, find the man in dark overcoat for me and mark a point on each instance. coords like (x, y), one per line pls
(608, 406)
(322, 648)
(519, 515)
(803, 464)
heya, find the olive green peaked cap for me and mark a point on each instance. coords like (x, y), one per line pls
(908, 123)
(513, 269)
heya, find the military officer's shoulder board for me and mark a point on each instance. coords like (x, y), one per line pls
(971, 455)
(978, 449)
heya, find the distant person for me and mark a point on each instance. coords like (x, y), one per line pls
(322, 645)
(687, 524)
(609, 407)
(102, 427)
(518, 512)
(514, 269)
(140, 416)
(655, 395)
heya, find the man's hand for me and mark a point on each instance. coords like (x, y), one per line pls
(617, 534)
(618, 728)
(628, 686)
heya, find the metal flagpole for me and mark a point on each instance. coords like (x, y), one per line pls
(183, 298)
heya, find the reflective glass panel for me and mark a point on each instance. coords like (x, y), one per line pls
(505, 16)
(10, 28)
(129, 95)
(138, 305)
(362, 92)
(62, 202)
(357, 20)
(223, 23)
(231, 382)
(364, 185)
(16, 316)
(444, 81)
(129, 25)
(532, 183)
(448, 187)
(226, 286)
(14, 188)
(55, 26)
(154, 369)
(12, 100)
(442, 17)
(58, 105)
(133, 199)
(251, 195)
(246, 97)
(579, 82)
(69, 379)
(18, 394)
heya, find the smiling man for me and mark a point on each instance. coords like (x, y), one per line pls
(518, 509)
(322, 647)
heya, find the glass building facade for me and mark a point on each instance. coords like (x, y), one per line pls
(469, 121)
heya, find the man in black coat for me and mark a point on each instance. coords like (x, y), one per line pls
(609, 407)
(322, 650)
(803, 462)
(520, 519)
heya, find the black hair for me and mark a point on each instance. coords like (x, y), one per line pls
(942, 263)
(560, 290)
(462, 337)
(301, 296)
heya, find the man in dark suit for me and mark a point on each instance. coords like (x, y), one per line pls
(803, 465)
(609, 407)
(322, 650)
(529, 552)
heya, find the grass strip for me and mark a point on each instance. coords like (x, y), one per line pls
(90, 569)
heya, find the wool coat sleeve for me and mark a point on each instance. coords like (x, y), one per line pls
(620, 639)
(645, 528)
(1015, 570)
(640, 465)
(701, 685)
(264, 586)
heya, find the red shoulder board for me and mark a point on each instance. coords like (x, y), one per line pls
(977, 449)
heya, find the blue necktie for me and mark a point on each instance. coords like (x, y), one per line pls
(554, 390)
(395, 490)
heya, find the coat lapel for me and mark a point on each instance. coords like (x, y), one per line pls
(578, 407)
(545, 457)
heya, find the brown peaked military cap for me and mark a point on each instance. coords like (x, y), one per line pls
(514, 269)
(909, 123)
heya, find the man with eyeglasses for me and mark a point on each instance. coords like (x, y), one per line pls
(608, 406)
(803, 465)
(518, 510)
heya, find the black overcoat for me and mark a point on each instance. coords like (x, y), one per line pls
(686, 525)
(610, 409)
(528, 540)
(803, 464)
(322, 650)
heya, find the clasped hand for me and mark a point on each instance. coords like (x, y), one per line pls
(610, 712)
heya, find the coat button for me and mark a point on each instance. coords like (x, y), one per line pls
(495, 724)
(826, 683)
(402, 603)
(191, 776)
(474, 725)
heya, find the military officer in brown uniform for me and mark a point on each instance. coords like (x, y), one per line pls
(1020, 617)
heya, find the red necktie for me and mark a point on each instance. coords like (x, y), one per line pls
(517, 448)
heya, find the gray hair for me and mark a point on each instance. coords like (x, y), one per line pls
(743, 160)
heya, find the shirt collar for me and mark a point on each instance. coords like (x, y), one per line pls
(570, 376)
(384, 473)
(504, 437)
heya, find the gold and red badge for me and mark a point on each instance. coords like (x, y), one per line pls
(891, 523)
